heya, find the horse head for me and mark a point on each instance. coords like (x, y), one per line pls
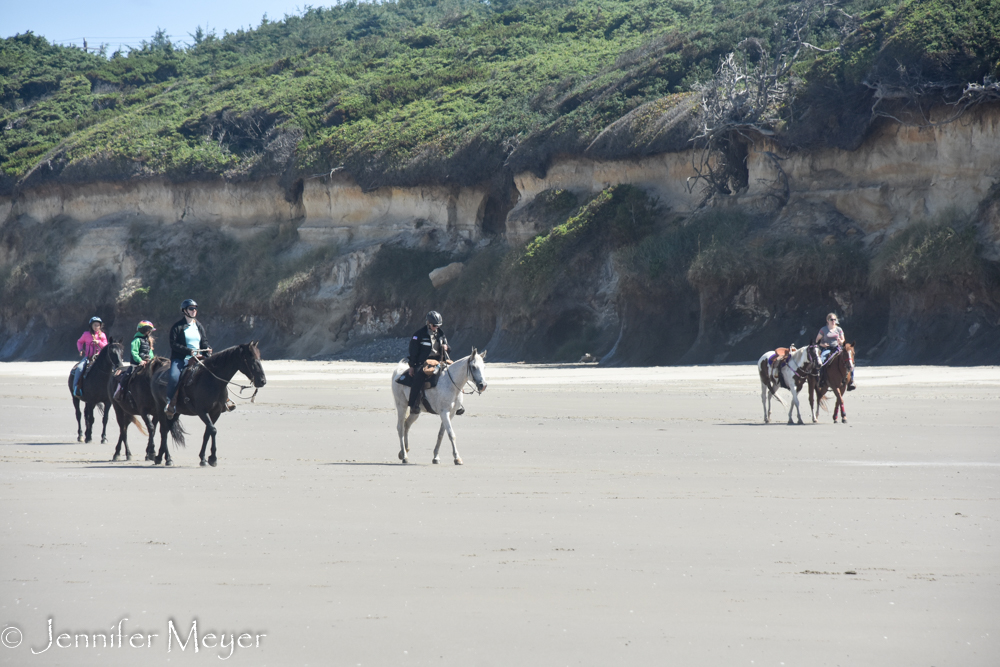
(477, 364)
(250, 363)
(849, 349)
(116, 353)
(813, 359)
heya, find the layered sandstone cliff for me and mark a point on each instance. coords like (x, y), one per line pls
(111, 233)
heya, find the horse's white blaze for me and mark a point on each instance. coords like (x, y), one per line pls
(445, 399)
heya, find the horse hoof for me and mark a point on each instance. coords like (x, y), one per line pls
(436, 461)
(114, 458)
(128, 458)
(79, 438)
(401, 457)
(203, 463)
(212, 461)
(458, 462)
(404, 460)
(150, 457)
(88, 440)
(104, 441)
(169, 463)
(844, 420)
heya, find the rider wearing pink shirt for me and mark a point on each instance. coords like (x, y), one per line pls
(89, 345)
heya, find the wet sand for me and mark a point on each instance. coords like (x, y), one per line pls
(603, 516)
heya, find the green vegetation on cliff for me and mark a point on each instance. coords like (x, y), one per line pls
(421, 91)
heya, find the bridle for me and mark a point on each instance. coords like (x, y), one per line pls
(468, 380)
(230, 382)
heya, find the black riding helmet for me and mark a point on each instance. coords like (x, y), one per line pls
(188, 303)
(434, 317)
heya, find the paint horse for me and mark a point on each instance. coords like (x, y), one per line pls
(790, 371)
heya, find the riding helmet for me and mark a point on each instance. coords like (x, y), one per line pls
(188, 303)
(95, 319)
(434, 317)
(145, 324)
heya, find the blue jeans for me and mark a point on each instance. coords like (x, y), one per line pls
(76, 374)
(176, 368)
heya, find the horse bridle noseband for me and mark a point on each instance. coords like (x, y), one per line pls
(475, 390)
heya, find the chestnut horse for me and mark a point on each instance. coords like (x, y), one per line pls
(835, 376)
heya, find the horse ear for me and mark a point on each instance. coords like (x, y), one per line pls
(473, 351)
(483, 354)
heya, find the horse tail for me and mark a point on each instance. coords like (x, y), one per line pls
(822, 403)
(774, 392)
(177, 433)
(138, 425)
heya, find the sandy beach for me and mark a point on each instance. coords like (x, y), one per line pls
(639, 516)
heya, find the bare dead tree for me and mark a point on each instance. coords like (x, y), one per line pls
(916, 95)
(747, 97)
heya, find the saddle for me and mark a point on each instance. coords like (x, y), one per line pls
(432, 369)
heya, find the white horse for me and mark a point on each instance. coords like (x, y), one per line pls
(445, 399)
(791, 376)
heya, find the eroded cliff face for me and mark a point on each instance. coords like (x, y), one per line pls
(107, 241)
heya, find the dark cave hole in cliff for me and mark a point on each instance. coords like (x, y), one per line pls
(501, 199)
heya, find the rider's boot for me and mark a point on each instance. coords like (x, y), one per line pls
(172, 406)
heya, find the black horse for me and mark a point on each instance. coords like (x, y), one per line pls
(135, 400)
(94, 388)
(205, 394)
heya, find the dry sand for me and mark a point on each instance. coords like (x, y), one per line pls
(603, 517)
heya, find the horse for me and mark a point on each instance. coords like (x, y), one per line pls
(445, 399)
(790, 375)
(835, 376)
(94, 388)
(205, 394)
(135, 400)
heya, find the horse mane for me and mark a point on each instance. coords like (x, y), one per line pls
(222, 358)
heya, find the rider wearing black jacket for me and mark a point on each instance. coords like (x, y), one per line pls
(427, 343)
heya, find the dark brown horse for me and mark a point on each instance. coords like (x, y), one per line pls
(135, 400)
(835, 376)
(94, 389)
(205, 394)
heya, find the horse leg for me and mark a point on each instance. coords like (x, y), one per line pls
(446, 421)
(765, 402)
(104, 424)
(122, 434)
(88, 418)
(151, 430)
(213, 460)
(210, 432)
(79, 426)
(437, 446)
(812, 408)
(400, 431)
(164, 453)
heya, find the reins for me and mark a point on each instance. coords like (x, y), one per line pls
(467, 381)
(228, 382)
